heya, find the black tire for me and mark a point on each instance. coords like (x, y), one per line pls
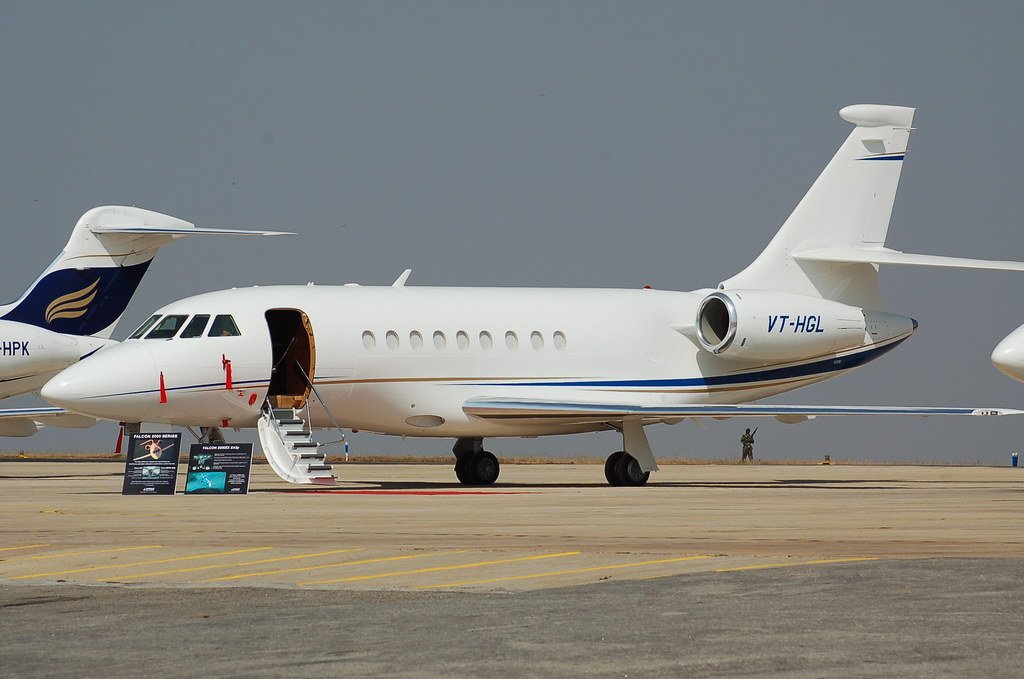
(610, 466)
(463, 470)
(629, 473)
(484, 468)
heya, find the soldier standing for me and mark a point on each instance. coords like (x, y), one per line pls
(748, 445)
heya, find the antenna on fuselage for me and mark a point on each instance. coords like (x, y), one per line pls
(400, 281)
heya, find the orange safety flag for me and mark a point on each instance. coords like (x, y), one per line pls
(225, 363)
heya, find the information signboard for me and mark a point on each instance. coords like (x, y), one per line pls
(220, 468)
(152, 464)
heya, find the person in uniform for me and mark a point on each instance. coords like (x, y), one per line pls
(748, 445)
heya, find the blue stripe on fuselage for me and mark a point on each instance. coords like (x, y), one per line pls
(815, 369)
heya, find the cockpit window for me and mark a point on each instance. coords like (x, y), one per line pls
(167, 327)
(223, 326)
(196, 326)
(144, 327)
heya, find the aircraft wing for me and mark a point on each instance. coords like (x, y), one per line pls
(569, 412)
(27, 421)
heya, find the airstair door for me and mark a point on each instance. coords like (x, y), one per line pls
(293, 357)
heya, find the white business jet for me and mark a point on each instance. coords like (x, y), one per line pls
(471, 363)
(1008, 356)
(70, 311)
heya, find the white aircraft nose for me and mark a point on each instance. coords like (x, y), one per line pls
(119, 383)
(1008, 355)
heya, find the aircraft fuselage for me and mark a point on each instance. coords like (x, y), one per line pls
(405, 360)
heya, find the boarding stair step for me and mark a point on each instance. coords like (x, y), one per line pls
(285, 438)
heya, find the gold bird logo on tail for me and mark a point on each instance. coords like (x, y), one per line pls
(73, 304)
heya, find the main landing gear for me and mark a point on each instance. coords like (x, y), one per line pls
(622, 469)
(474, 466)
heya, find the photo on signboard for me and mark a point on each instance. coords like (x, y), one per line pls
(206, 482)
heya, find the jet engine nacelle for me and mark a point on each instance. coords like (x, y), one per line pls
(762, 325)
(27, 350)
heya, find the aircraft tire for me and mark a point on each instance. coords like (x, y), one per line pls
(462, 470)
(610, 467)
(483, 468)
(628, 471)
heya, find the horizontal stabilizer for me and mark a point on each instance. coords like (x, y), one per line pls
(522, 409)
(184, 231)
(853, 255)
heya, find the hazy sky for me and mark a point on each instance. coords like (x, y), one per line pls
(554, 144)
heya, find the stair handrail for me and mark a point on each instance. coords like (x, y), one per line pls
(320, 398)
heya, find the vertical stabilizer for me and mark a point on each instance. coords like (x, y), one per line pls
(86, 289)
(848, 206)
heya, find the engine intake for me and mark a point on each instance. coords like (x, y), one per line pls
(762, 325)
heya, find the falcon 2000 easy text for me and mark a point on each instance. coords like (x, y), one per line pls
(471, 363)
(70, 311)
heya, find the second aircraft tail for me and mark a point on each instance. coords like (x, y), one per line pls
(88, 286)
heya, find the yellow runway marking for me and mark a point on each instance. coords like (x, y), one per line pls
(433, 569)
(138, 563)
(791, 565)
(573, 571)
(228, 565)
(330, 565)
(11, 549)
(91, 551)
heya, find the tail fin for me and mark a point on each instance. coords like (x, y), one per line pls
(88, 286)
(847, 207)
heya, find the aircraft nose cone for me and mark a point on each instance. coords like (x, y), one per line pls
(1008, 356)
(116, 383)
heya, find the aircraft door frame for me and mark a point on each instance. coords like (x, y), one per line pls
(293, 345)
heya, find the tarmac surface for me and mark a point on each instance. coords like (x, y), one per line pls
(708, 571)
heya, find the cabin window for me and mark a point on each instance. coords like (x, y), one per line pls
(167, 327)
(415, 340)
(559, 340)
(511, 340)
(369, 341)
(196, 326)
(462, 339)
(440, 341)
(391, 338)
(486, 341)
(536, 340)
(223, 326)
(145, 327)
